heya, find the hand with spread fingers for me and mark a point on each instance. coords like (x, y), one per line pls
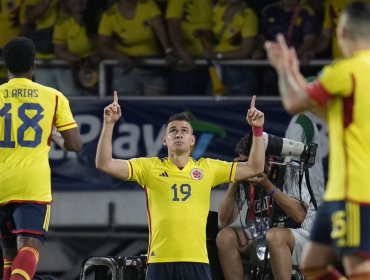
(255, 117)
(279, 53)
(112, 112)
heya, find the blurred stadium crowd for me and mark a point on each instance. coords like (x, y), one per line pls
(82, 33)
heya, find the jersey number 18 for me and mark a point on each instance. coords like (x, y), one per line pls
(27, 123)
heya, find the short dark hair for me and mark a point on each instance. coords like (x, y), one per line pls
(243, 147)
(183, 116)
(19, 55)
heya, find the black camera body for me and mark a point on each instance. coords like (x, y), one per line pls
(310, 152)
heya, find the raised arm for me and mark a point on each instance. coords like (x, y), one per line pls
(292, 84)
(160, 31)
(256, 160)
(115, 167)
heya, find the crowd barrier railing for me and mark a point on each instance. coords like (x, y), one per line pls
(160, 62)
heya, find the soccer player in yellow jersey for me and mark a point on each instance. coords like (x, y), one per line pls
(178, 191)
(31, 115)
(341, 96)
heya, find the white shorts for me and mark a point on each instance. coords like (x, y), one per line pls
(301, 236)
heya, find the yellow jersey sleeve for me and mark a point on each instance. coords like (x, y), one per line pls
(337, 79)
(138, 170)
(105, 26)
(63, 115)
(224, 172)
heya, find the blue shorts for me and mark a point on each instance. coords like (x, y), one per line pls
(27, 219)
(178, 271)
(344, 225)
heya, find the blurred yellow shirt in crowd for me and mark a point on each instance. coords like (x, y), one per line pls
(332, 10)
(70, 33)
(194, 15)
(46, 20)
(244, 24)
(10, 26)
(133, 37)
(9, 21)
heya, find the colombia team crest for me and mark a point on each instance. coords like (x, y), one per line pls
(196, 173)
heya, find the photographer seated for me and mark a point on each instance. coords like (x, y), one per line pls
(292, 218)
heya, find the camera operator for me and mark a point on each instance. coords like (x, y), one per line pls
(285, 240)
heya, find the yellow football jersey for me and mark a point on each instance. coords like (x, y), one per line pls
(9, 21)
(28, 112)
(344, 88)
(10, 26)
(69, 33)
(195, 15)
(244, 24)
(178, 202)
(333, 9)
(45, 21)
(134, 37)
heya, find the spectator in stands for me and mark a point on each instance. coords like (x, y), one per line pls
(258, 5)
(74, 40)
(328, 36)
(178, 191)
(235, 29)
(186, 19)
(127, 31)
(38, 18)
(33, 116)
(293, 215)
(297, 22)
(10, 28)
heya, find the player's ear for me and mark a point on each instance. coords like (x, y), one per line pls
(164, 141)
(193, 139)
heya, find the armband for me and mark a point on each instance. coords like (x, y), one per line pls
(257, 131)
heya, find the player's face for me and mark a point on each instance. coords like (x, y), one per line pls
(179, 136)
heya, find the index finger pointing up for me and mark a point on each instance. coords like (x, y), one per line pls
(253, 102)
(115, 96)
(282, 42)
